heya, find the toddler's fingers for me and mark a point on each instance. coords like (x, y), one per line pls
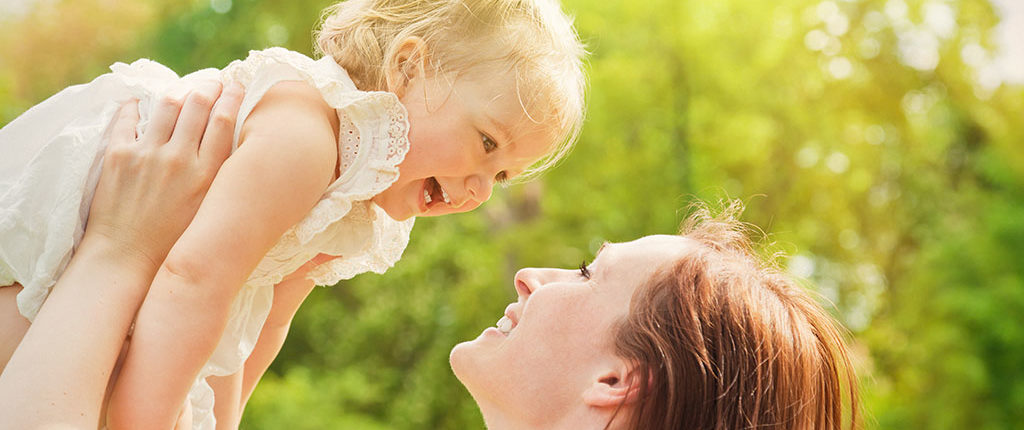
(322, 258)
(220, 133)
(122, 131)
(194, 116)
(310, 265)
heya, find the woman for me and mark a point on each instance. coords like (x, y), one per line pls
(664, 332)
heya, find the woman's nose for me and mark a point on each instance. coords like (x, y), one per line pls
(527, 281)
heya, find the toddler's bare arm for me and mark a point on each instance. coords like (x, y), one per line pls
(233, 391)
(286, 160)
(288, 296)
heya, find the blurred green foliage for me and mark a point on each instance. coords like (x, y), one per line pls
(894, 178)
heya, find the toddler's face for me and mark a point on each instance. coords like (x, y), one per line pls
(464, 137)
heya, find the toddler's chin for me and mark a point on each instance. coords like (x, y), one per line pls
(396, 212)
(399, 216)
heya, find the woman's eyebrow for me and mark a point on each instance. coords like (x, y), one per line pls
(598, 268)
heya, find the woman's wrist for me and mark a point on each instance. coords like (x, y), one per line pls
(119, 259)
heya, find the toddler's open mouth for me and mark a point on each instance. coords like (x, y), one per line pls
(432, 191)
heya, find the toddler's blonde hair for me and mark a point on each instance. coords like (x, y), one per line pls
(533, 39)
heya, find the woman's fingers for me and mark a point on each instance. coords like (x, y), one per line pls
(165, 116)
(195, 113)
(220, 132)
(123, 130)
(148, 192)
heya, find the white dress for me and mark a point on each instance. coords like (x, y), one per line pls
(49, 164)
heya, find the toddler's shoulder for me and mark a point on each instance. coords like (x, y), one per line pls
(297, 96)
(294, 110)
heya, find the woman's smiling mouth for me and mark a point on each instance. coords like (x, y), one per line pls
(509, 321)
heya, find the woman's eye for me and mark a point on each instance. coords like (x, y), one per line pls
(489, 144)
(584, 272)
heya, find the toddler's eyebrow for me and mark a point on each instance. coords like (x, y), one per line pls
(503, 135)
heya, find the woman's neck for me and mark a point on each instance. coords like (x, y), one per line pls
(580, 417)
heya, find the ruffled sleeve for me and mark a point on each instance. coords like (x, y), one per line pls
(388, 241)
(373, 141)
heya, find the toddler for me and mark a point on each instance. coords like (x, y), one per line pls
(415, 108)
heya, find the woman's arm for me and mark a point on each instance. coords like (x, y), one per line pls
(148, 192)
(286, 160)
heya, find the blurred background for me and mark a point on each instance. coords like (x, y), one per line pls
(878, 143)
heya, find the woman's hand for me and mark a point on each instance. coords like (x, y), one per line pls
(148, 192)
(151, 186)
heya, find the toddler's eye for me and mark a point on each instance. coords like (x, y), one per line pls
(489, 144)
(584, 272)
(501, 178)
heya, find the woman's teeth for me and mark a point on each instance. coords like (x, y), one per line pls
(505, 325)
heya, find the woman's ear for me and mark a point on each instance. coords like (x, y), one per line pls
(617, 386)
(407, 63)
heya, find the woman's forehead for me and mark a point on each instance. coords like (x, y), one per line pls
(644, 255)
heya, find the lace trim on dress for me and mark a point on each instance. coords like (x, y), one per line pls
(373, 141)
(390, 240)
(378, 117)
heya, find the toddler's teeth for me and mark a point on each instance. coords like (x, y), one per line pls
(426, 196)
(444, 195)
(504, 325)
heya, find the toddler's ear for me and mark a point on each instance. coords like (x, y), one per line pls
(407, 63)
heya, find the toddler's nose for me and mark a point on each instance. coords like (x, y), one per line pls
(479, 188)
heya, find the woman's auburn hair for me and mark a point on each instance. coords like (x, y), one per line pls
(532, 39)
(724, 340)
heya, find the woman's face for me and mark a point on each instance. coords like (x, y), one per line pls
(556, 340)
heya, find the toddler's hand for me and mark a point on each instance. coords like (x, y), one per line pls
(184, 418)
(152, 185)
(309, 266)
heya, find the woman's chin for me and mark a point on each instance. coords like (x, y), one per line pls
(475, 352)
(472, 364)
(460, 359)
